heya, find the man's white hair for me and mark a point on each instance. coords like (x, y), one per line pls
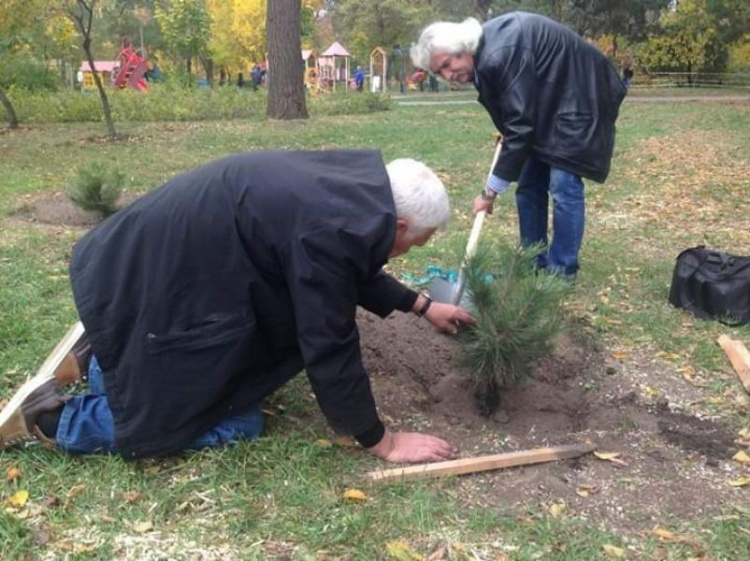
(445, 37)
(420, 196)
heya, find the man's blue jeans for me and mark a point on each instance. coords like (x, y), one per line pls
(537, 182)
(87, 426)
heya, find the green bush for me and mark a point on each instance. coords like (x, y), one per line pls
(24, 72)
(97, 188)
(348, 103)
(170, 102)
(518, 312)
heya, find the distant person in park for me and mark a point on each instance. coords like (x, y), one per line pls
(434, 86)
(211, 292)
(256, 75)
(359, 78)
(153, 74)
(627, 74)
(240, 80)
(555, 100)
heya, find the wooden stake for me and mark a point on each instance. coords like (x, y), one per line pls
(739, 356)
(484, 463)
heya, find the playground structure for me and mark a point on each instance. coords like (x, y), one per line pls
(130, 68)
(378, 69)
(104, 68)
(311, 68)
(127, 71)
(333, 67)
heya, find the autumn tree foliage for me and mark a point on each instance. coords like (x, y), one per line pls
(186, 28)
(286, 94)
(238, 34)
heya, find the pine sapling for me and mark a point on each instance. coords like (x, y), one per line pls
(518, 312)
(97, 189)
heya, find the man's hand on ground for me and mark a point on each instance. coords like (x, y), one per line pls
(447, 317)
(408, 447)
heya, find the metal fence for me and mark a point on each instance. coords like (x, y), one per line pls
(691, 80)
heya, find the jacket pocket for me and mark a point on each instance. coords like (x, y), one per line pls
(212, 331)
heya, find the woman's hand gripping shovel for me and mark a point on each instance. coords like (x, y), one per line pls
(445, 291)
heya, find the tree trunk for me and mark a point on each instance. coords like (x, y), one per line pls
(286, 87)
(83, 18)
(111, 133)
(12, 118)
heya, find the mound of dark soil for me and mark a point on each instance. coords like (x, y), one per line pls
(670, 463)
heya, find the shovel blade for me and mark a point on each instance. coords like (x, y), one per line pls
(442, 290)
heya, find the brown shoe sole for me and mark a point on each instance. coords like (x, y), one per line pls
(12, 423)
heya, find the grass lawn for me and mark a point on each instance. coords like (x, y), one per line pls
(680, 178)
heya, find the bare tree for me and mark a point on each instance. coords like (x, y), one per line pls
(12, 118)
(82, 15)
(286, 94)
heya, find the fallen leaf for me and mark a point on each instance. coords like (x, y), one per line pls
(612, 457)
(143, 527)
(688, 372)
(12, 473)
(74, 491)
(152, 469)
(440, 554)
(664, 534)
(556, 510)
(23, 515)
(726, 517)
(606, 455)
(741, 482)
(741, 457)
(345, 442)
(130, 496)
(355, 495)
(613, 551)
(668, 356)
(650, 391)
(620, 355)
(19, 498)
(587, 490)
(402, 552)
(323, 443)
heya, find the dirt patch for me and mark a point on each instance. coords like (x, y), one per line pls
(120, 138)
(675, 465)
(56, 209)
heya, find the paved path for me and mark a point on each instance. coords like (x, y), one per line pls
(630, 99)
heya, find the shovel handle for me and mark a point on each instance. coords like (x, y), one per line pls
(471, 248)
(471, 245)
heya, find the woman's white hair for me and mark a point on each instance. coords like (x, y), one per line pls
(420, 196)
(447, 38)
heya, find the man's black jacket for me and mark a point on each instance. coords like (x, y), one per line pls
(215, 289)
(549, 93)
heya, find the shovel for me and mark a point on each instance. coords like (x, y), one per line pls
(445, 291)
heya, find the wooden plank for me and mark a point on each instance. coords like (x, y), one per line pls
(739, 356)
(484, 463)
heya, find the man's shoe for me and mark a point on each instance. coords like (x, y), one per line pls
(74, 364)
(43, 392)
(18, 420)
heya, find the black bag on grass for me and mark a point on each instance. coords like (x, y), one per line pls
(712, 285)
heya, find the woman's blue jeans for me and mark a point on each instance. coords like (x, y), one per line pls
(535, 185)
(87, 426)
